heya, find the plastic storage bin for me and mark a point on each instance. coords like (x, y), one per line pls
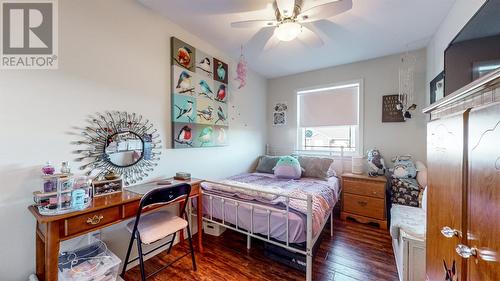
(213, 228)
(94, 262)
(58, 194)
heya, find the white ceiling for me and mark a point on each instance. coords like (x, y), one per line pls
(373, 28)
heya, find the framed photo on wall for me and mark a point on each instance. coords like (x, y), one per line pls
(437, 88)
(390, 113)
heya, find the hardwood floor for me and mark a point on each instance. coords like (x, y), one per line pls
(355, 252)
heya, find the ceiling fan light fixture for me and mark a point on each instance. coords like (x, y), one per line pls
(287, 31)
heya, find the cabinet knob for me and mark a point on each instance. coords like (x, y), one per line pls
(449, 232)
(465, 251)
(363, 203)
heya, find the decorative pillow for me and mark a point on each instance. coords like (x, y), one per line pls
(405, 192)
(421, 174)
(266, 164)
(316, 167)
(288, 167)
(404, 168)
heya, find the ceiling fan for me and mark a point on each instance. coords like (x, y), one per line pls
(292, 21)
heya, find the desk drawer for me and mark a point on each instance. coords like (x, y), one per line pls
(364, 206)
(365, 188)
(92, 220)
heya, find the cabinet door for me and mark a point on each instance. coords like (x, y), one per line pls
(484, 193)
(445, 152)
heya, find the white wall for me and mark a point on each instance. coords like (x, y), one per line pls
(380, 77)
(461, 12)
(114, 54)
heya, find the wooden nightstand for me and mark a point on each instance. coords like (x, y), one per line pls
(363, 199)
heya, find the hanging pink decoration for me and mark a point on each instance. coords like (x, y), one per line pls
(241, 70)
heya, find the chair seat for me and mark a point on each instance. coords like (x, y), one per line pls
(158, 225)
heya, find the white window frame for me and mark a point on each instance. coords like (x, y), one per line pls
(360, 128)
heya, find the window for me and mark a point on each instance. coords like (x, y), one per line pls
(329, 118)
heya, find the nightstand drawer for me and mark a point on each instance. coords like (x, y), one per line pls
(365, 188)
(364, 206)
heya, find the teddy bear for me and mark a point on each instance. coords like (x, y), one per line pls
(376, 164)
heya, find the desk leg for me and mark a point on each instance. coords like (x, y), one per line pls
(199, 213)
(181, 232)
(40, 254)
(51, 251)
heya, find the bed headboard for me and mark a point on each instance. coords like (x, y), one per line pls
(337, 154)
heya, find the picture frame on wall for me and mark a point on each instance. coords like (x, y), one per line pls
(437, 88)
(390, 112)
(279, 114)
(199, 97)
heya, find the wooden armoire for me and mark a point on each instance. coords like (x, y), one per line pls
(463, 207)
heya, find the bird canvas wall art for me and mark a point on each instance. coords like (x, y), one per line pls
(184, 109)
(199, 97)
(204, 64)
(183, 81)
(205, 136)
(183, 54)
(221, 92)
(205, 112)
(221, 118)
(220, 135)
(220, 71)
(205, 89)
(183, 135)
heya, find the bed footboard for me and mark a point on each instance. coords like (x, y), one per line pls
(311, 238)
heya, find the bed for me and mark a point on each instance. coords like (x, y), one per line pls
(290, 214)
(326, 191)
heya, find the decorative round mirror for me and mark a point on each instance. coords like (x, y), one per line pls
(124, 149)
(119, 143)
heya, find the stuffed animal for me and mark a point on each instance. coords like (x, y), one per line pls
(288, 167)
(376, 165)
(404, 167)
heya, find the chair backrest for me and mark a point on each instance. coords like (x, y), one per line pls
(165, 195)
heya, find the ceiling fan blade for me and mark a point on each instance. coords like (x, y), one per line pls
(272, 43)
(310, 38)
(286, 7)
(254, 23)
(325, 11)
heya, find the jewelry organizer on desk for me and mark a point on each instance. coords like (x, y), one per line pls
(63, 193)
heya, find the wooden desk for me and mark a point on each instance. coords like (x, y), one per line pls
(103, 211)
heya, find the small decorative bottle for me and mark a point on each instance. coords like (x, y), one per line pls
(49, 183)
(48, 169)
(65, 168)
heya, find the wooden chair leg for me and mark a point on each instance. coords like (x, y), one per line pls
(141, 258)
(191, 247)
(128, 255)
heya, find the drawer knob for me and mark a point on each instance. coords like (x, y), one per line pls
(449, 232)
(465, 251)
(362, 203)
(96, 219)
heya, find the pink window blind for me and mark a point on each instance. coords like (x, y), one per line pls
(331, 107)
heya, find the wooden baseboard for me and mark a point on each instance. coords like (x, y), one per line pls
(381, 223)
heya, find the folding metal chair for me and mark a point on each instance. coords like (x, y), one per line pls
(151, 227)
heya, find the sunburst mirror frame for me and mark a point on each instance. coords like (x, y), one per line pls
(102, 126)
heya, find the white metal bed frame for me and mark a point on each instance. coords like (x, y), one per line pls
(310, 240)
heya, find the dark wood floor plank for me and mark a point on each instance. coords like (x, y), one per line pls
(355, 252)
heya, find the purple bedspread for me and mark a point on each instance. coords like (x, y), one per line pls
(324, 193)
